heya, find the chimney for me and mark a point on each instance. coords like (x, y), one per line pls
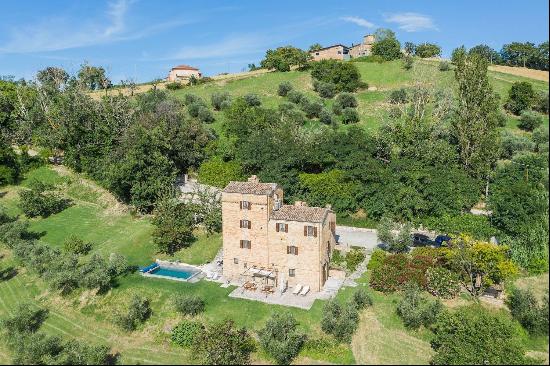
(328, 206)
(300, 204)
(253, 179)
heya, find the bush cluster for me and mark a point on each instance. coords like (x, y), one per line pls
(219, 99)
(281, 339)
(188, 304)
(284, 88)
(325, 90)
(520, 97)
(399, 269)
(40, 200)
(415, 310)
(139, 310)
(399, 96)
(442, 283)
(529, 120)
(186, 332)
(343, 75)
(531, 314)
(340, 320)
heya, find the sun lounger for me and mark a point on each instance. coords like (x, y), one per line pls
(209, 275)
(297, 289)
(215, 276)
(304, 291)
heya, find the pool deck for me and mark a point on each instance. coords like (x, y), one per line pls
(196, 277)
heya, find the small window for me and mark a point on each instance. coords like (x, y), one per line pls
(245, 224)
(245, 205)
(236, 260)
(292, 250)
(310, 231)
(245, 265)
(339, 52)
(246, 244)
(291, 272)
(281, 227)
(316, 53)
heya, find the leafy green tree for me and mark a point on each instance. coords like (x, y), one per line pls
(458, 54)
(520, 97)
(93, 77)
(333, 187)
(40, 200)
(174, 224)
(284, 88)
(218, 173)
(530, 120)
(409, 48)
(492, 56)
(397, 236)
(223, 344)
(343, 75)
(79, 353)
(518, 54)
(280, 337)
(382, 34)
(415, 310)
(528, 311)
(283, 58)
(475, 125)
(217, 99)
(74, 244)
(340, 320)
(387, 47)
(474, 335)
(188, 305)
(186, 332)
(139, 310)
(52, 77)
(9, 164)
(425, 50)
(315, 47)
(25, 320)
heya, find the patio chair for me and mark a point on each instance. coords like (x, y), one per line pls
(297, 289)
(304, 291)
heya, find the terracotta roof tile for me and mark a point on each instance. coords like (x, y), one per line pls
(184, 67)
(299, 213)
(250, 188)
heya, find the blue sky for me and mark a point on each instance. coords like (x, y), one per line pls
(143, 39)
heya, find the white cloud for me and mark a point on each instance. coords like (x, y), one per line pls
(56, 34)
(231, 46)
(411, 22)
(359, 21)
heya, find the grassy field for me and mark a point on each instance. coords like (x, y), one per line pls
(373, 105)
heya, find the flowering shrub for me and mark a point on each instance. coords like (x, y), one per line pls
(442, 283)
(399, 269)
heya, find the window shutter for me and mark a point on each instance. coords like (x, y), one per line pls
(249, 205)
(296, 250)
(315, 232)
(286, 228)
(249, 224)
(277, 227)
(241, 243)
(287, 250)
(305, 230)
(241, 204)
(241, 223)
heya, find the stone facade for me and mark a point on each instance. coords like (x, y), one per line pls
(271, 243)
(336, 52)
(183, 73)
(341, 52)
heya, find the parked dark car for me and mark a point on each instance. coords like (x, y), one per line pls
(440, 239)
(421, 240)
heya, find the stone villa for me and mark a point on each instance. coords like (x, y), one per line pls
(272, 243)
(183, 72)
(341, 52)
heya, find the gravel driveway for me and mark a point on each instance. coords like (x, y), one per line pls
(352, 236)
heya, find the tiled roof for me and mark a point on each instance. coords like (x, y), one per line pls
(326, 48)
(250, 188)
(299, 213)
(184, 67)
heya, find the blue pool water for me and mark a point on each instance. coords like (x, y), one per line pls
(171, 272)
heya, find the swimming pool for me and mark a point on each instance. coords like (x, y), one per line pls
(177, 273)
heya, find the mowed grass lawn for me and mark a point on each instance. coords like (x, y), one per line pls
(373, 106)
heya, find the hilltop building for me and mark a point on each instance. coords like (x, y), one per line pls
(183, 72)
(266, 240)
(341, 52)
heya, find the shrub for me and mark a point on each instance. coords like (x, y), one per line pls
(512, 143)
(186, 332)
(528, 312)
(226, 104)
(530, 120)
(442, 283)
(501, 119)
(138, 312)
(217, 99)
(205, 115)
(353, 258)
(398, 96)
(192, 98)
(41, 201)
(541, 102)
(397, 270)
(252, 99)
(346, 100)
(223, 344)
(75, 245)
(174, 86)
(415, 310)
(326, 117)
(25, 320)
(425, 50)
(194, 109)
(295, 96)
(361, 299)
(408, 62)
(343, 75)
(474, 335)
(520, 97)
(325, 90)
(540, 138)
(350, 115)
(340, 321)
(444, 66)
(376, 259)
(284, 88)
(312, 108)
(388, 48)
(188, 305)
(281, 339)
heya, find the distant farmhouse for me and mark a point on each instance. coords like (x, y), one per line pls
(183, 72)
(341, 52)
(275, 244)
